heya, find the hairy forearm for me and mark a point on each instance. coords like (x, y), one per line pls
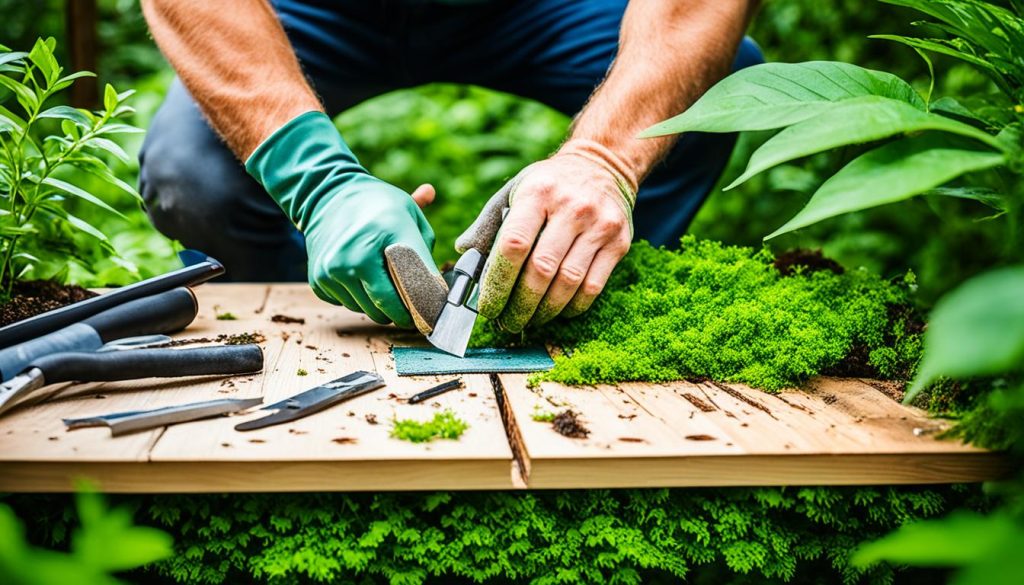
(237, 63)
(670, 53)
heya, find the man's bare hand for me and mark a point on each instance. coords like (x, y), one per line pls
(569, 224)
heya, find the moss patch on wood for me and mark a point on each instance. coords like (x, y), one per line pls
(725, 313)
(444, 425)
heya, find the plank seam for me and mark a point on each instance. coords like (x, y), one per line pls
(512, 433)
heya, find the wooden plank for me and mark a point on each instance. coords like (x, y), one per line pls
(833, 431)
(681, 434)
(338, 449)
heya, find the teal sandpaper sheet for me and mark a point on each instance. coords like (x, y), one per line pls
(419, 361)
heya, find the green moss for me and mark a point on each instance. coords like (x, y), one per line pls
(725, 313)
(444, 425)
(722, 535)
(226, 317)
(542, 415)
(301, 372)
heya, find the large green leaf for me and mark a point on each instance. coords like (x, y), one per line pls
(975, 330)
(893, 172)
(81, 194)
(963, 537)
(108, 541)
(774, 95)
(853, 121)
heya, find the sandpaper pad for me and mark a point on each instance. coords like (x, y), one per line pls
(425, 361)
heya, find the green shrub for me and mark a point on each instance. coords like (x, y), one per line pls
(730, 535)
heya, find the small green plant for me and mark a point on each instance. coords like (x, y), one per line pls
(541, 415)
(39, 146)
(444, 425)
(301, 372)
(226, 316)
(105, 543)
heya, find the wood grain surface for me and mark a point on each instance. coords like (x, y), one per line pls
(832, 431)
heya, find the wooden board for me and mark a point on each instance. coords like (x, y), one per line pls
(831, 432)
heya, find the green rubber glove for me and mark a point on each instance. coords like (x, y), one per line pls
(347, 215)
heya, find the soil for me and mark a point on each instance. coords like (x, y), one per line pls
(809, 260)
(237, 339)
(567, 423)
(30, 298)
(287, 319)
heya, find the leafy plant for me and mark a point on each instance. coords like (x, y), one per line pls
(910, 144)
(105, 543)
(35, 159)
(730, 535)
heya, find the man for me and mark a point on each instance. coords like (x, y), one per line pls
(253, 71)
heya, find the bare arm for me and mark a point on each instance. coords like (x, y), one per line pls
(670, 53)
(235, 60)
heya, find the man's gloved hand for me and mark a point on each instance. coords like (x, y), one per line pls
(347, 215)
(569, 223)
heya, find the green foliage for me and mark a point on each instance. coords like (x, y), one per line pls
(35, 159)
(596, 536)
(988, 545)
(542, 415)
(444, 425)
(976, 330)
(105, 543)
(722, 312)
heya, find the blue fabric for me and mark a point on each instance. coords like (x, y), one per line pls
(426, 361)
(554, 51)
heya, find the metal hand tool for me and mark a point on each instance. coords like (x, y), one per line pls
(199, 268)
(316, 399)
(122, 423)
(165, 312)
(447, 317)
(129, 365)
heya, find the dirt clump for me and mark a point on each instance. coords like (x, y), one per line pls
(32, 297)
(287, 319)
(568, 424)
(808, 260)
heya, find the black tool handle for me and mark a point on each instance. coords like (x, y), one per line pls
(50, 321)
(149, 363)
(165, 312)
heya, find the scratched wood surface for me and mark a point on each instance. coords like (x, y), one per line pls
(830, 432)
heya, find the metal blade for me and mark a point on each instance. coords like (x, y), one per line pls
(19, 386)
(453, 329)
(316, 399)
(121, 423)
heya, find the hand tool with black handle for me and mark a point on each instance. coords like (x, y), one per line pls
(165, 312)
(122, 423)
(316, 399)
(130, 365)
(203, 268)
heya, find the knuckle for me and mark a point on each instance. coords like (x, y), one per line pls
(515, 243)
(571, 275)
(544, 265)
(592, 288)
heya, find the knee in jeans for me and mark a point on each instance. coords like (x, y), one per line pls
(180, 197)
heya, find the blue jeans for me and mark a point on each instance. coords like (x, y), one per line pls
(553, 51)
